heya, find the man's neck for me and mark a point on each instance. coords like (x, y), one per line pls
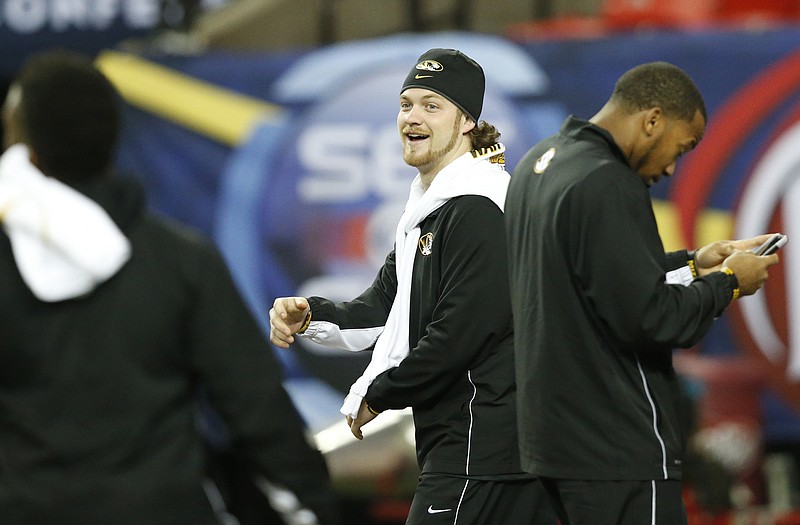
(427, 175)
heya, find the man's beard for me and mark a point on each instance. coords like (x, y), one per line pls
(431, 156)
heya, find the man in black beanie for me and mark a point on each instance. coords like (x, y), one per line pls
(437, 317)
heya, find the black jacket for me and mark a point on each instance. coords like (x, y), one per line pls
(458, 377)
(97, 394)
(595, 321)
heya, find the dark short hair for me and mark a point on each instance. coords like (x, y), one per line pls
(662, 85)
(69, 113)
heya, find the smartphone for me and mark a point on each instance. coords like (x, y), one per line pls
(771, 245)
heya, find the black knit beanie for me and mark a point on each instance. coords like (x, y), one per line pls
(452, 74)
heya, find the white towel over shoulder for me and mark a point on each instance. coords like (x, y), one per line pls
(64, 243)
(467, 175)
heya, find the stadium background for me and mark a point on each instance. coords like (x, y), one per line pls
(269, 125)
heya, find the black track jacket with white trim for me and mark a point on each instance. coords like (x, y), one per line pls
(458, 377)
(595, 320)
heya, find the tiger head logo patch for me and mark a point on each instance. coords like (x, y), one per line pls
(426, 244)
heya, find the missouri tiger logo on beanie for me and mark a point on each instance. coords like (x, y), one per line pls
(452, 74)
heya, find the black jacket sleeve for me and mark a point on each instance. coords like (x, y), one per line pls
(243, 380)
(620, 263)
(368, 310)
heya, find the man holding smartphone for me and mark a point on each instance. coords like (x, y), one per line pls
(598, 306)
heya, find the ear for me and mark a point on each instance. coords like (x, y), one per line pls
(653, 124)
(467, 124)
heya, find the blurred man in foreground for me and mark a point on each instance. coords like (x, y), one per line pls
(111, 323)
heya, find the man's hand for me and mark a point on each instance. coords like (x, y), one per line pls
(710, 257)
(751, 270)
(364, 417)
(286, 317)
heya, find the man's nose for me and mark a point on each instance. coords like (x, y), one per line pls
(413, 116)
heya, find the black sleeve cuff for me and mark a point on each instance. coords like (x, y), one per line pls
(321, 309)
(733, 282)
(372, 398)
(679, 259)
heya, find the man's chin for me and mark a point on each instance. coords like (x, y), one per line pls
(415, 161)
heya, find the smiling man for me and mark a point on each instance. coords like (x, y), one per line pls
(598, 306)
(438, 315)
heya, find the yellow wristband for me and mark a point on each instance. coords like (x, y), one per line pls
(736, 291)
(371, 409)
(305, 323)
(692, 267)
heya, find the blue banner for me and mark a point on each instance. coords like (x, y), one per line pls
(308, 202)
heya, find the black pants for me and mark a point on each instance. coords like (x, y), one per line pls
(580, 502)
(450, 500)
